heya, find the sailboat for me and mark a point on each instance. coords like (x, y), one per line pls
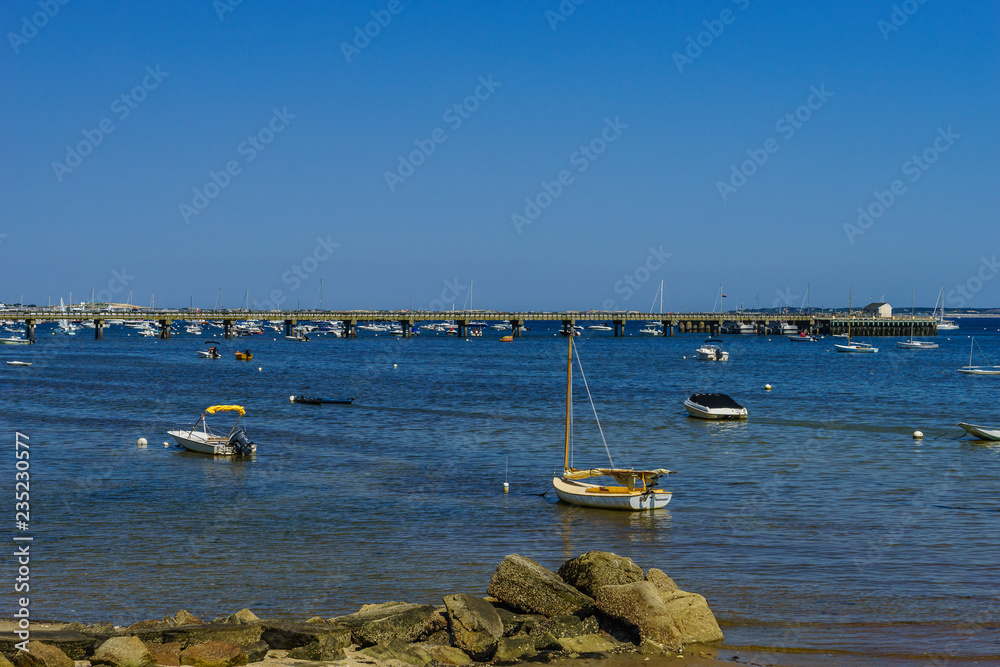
(943, 324)
(633, 490)
(915, 344)
(853, 346)
(978, 370)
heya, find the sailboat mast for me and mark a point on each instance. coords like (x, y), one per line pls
(569, 398)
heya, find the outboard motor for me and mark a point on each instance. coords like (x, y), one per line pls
(240, 443)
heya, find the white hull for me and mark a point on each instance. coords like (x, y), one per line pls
(947, 326)
(980, 370)
(15, 341)
(18, 363)
(712, 354)
(198, 441)
(701, 412)
(856, 348)
(981, 432)
(595, 495)
(916, 345)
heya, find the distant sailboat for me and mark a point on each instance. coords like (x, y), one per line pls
(943, 324)
(978, 370)
(915, 344)
(853, 346)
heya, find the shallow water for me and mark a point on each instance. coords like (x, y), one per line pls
(819, 523)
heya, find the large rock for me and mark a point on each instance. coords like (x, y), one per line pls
(406, 622)
(241, 635)
(123, 652)
(594, 569)
(75, 645)
(639, 603)
(528, 586)
(475, 625)
(517, 624)
(448, 655)
(689, 612)
(40, 654)
(327, 647)
(184, 617)
(396, 649)
(514, 648)
(587, 644)
(214, 654)
(168, 654)
(289, 634)
(4, 662)
(567, 626)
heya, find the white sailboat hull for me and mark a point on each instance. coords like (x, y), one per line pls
(858, 349)
(916, 345)
(980, 370)
(602, 497)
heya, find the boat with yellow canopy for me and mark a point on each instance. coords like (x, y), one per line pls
(633, 489)
(205, 441)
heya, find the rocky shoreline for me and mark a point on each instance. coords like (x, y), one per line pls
(596, 606)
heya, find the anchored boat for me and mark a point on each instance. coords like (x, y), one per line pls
(632, 489)
(204, 441)
(714, 406)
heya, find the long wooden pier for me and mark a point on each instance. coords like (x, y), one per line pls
(703, 323)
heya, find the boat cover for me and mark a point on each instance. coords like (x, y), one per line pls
(715, 401)
(226, 408)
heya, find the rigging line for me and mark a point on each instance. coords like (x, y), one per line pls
(596, 418)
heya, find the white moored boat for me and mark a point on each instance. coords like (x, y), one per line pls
(981, 432)
(714, 406)
(632, 490)
(711, 350)
(851, 345)
(978, 370)
(204, 441)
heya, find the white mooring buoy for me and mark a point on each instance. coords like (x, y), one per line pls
(767, 387)
(917, 435)
(141, 442)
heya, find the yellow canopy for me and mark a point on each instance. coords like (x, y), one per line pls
(226, 408)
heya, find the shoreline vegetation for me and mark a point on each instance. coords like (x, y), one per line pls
(597, 607)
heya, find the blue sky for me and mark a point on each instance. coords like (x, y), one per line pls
(704, 144)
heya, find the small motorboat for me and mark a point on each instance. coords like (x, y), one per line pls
(981, 432)
(714, 406)
(18, 363)
(16, 341)
(211, 350)
(204, 441)
(300, 337)
(803, 338)
(245, 355)
(711, 350)
(319, 401)
(507, 339)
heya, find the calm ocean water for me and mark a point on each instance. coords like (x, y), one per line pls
(819, 524)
